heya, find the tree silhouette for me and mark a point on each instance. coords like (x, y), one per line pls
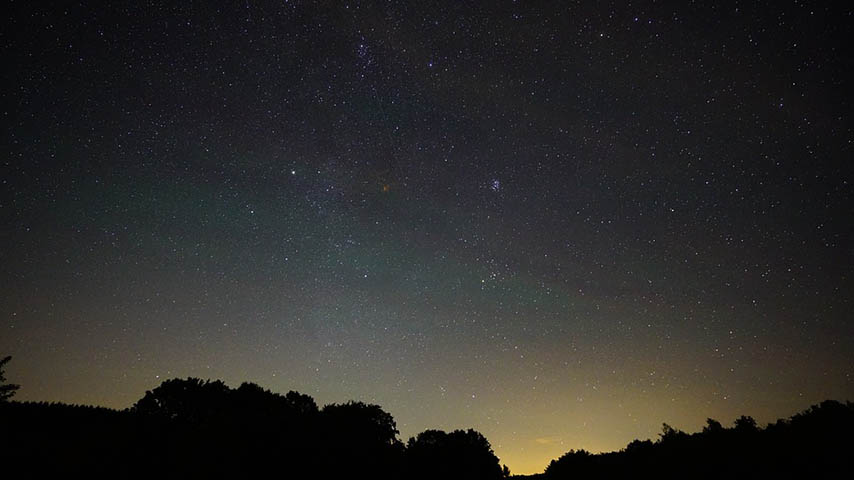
(460, 454)
(813, 444)
(745, 424)
(570, 464)
(639, 446)
(361, 439)
(191, 400)
(712, 426)
(369, 423)
(669, 433)
(246, 429)
(7, 390)
(195, 428)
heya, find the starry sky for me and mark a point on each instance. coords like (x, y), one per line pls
(558, 223)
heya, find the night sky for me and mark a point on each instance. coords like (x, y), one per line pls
(558, 223)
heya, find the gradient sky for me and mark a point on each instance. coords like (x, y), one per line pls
(558, 223)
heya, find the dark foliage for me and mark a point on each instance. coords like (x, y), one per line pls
(40, 440)
(193, 429)
(7, 390)
(813, 444)
(434, 454)
(362, 440)
(248, 429)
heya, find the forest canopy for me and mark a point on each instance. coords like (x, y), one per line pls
(193, 427)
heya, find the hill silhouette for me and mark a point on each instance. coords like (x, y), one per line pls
(194, 428)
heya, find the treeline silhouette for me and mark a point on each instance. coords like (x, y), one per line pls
(816, 443)
(193, 428)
